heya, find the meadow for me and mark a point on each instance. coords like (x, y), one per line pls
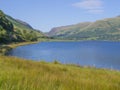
(19, 74)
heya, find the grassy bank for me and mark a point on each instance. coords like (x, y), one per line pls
(17, 74)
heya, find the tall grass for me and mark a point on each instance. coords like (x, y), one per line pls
(17, 74)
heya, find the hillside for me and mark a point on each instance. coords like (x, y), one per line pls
(24, 30)
(14, 30)
(106, 29)
(6, 29)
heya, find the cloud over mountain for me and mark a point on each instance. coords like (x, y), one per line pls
(91, 6)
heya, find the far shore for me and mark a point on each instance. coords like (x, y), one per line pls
(4, 49)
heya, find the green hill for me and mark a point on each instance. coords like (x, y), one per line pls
(6, 29)
(106, 29)
(13, 30)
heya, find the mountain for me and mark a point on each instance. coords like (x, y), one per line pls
(16, 30)
(6, 29)
(61, 30)
(19, 23)
(106, 29)
(24, 30)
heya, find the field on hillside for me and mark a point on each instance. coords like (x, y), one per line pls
(17, 74)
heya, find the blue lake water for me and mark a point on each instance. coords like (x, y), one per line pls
(101, 54)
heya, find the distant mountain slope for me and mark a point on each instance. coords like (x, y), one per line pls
(24, 23)
(16, 30)
(106, 29)
(24, 29)
(67, 29)
(19, 23)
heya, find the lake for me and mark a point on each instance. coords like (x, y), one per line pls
(101, 54)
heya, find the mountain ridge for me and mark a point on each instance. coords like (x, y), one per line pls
(105, 29)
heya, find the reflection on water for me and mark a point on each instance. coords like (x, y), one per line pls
(98, 53)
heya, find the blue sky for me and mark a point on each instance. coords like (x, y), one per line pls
(46, 14)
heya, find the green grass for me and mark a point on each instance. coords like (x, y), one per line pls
(17, 74)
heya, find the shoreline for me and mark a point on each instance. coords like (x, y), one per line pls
(4, 49)
(27, 43)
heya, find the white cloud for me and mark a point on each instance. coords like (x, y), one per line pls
(91, 6)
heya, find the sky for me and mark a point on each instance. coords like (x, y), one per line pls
(46, 14)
